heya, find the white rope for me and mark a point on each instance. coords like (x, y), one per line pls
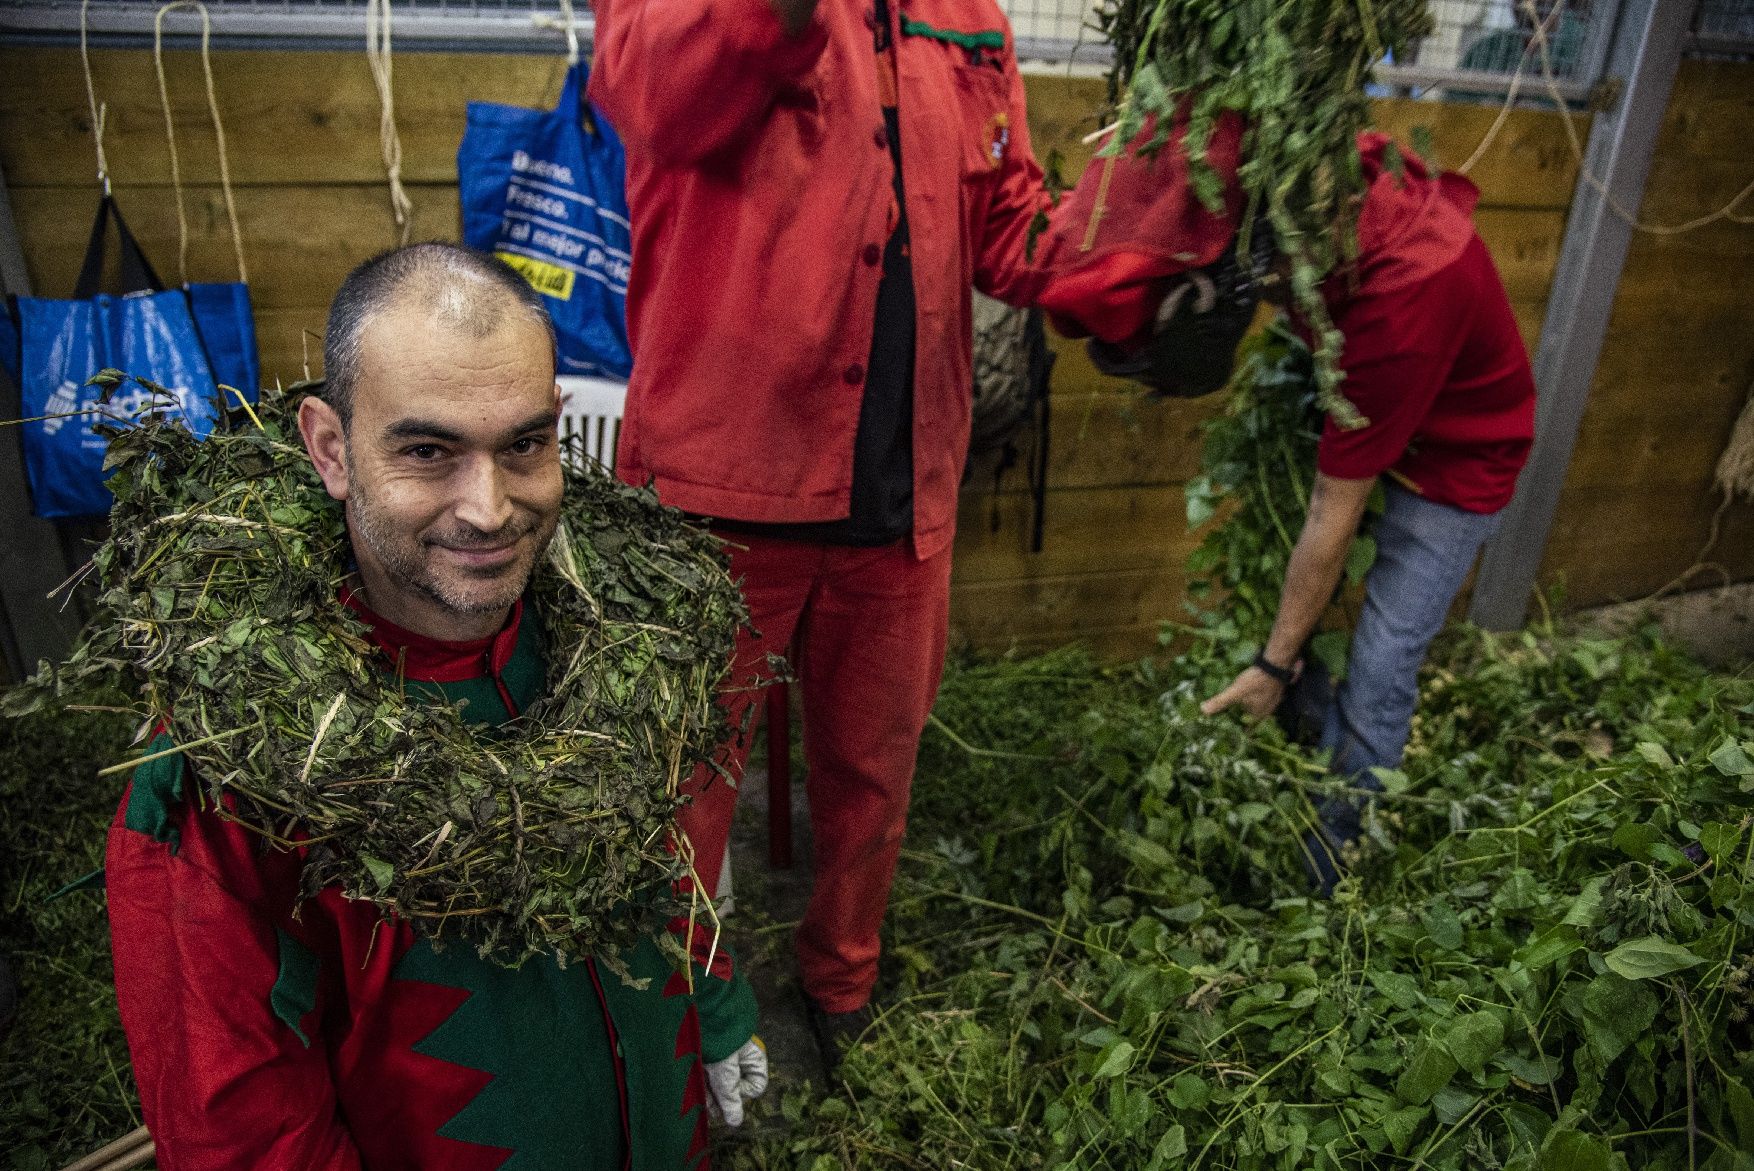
(377, 51)
(98, 113)
(1735, 467)
(565, 24)
(1540, 46)
(231, 211)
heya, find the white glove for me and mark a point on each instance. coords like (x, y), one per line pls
(738, 1078)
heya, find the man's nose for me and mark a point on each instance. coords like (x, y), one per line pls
(482, 501)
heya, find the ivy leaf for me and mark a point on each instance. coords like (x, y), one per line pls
(1719, 841)
(1189, 1091)
(1635, 838)
(1428, 1073)
(1572, 1150)
(1442, 925)
(1552, 946)
(1474, 1040)
(1535, 1073)
(1731, 761)
(1649, 958)
(1172, 1146)
(1117, 1061)
(1616, 1012)
(1741, 1104)
(381, 871)
(1655, 754)
(1330, 647)
(1401, 1125)
(1359, 558)
(1400, 989)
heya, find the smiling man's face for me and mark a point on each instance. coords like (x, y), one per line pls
(450, 468)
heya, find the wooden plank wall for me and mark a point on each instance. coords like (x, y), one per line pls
(1678, 367)
(312, 201)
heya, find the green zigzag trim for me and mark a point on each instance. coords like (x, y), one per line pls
(295, 990)
(993, 38)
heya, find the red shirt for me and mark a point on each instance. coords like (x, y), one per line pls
(760, 181)
(1433, 357)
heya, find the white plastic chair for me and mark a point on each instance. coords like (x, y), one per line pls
(590, 409)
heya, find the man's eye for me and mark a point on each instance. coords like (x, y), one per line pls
(527, 445)
(424, 451)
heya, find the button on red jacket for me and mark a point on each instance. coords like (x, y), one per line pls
(759, 180)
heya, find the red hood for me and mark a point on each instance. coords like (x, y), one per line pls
(1108, 280)
(1132, 223)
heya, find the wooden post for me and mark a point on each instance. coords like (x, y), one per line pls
(32, 627)
(1644, 59)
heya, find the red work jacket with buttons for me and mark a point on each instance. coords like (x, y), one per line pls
(760, 182)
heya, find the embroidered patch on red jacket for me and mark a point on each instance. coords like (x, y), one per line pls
(997, 136)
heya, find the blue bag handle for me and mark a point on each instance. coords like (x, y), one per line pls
(137, 272)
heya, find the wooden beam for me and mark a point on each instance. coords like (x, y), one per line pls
(31, 563)
(1645, 57)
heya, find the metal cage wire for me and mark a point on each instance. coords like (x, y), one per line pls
(1475, 46)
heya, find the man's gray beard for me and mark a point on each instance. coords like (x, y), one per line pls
(413, 573)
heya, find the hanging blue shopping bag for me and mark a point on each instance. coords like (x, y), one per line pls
(227, 326)
(545, 191)
(146, 332)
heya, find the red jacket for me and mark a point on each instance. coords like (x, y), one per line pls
(277, 1034)
(759, 178)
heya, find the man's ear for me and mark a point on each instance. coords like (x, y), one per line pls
(326, 443)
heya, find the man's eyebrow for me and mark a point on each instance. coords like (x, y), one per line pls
(542, 421)
(421, 429)
(427, 429)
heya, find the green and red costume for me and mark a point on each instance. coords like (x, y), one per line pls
(270, 1033)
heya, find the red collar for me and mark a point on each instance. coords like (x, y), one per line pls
(431, 660)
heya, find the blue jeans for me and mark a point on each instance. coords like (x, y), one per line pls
(1423, 553)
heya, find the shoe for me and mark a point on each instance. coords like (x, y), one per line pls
(1339, 823)
(835, 1032)
(1303, 712)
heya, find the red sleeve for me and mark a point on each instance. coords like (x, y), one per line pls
(224, 1081)
(684, 79)
(1399, 350)
(722, 993)
(1002, 265)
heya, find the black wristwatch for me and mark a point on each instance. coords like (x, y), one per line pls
(1285, 675)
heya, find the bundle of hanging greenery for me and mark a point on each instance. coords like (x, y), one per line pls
(1295, 71)
(218, 595)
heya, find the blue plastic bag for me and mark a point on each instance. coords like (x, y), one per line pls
(546, 192)
(227, 326)
(149, 333)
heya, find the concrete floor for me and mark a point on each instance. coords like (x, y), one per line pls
(768, 905)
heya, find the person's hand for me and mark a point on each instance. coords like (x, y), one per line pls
(738, 1078)
(1254, 691)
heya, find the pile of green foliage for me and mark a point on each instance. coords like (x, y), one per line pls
(65, 1085)
(1110, 957)
(217, 600)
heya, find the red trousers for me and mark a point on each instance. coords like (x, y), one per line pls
(870, 627)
